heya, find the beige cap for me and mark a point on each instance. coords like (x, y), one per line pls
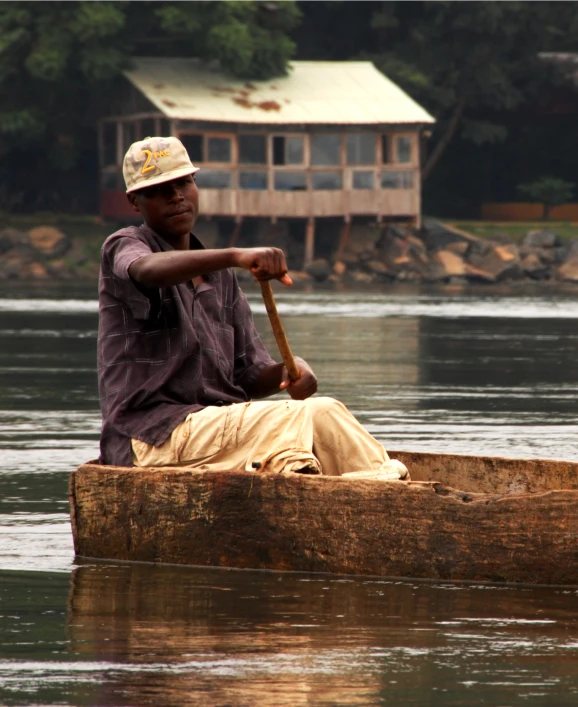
(155, 160)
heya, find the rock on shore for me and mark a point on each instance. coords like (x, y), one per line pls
(441, 253)
(436, 252)
(41, 253)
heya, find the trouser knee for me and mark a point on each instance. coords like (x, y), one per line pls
(324, 404)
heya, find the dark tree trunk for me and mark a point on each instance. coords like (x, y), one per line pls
(444, 141)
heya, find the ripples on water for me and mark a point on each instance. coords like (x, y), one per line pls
(466, 373)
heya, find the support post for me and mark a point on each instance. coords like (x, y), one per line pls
(309, 242)
(236, 231)
(344, 238)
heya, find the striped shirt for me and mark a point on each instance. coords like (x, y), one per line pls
(166, 352)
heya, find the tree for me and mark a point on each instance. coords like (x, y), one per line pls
(549, 191)
(59, 62)
(469, 64)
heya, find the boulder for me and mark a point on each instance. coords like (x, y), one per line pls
(435, 272)
(319, 269)
(377, 266)
(50, 241)
(501, 261)
(61, 270)
(417, 249)
(22, 262)
(458, 247)
(394, 249)
(349, 258)
(572, 246)
(533, 267)
(362, 277)
(437, 236)
(363, 237)
(568, 271)
(453, 264)
(542, 239)
(477, 275)
(11, 237)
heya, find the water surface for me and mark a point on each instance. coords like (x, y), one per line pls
(439, 370)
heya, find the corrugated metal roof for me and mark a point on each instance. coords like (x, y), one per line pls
(319, 92)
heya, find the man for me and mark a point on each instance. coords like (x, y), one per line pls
(180, 363)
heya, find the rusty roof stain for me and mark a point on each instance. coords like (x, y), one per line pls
(313, 92)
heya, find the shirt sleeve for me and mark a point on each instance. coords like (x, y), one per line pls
(251, 356)
(118, 254)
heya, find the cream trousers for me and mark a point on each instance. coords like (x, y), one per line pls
(318, 434)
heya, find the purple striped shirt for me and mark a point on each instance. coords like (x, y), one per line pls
(166, 352)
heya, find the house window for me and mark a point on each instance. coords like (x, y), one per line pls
(326, 181)
(396, 180)
(255, 180)
(214, 179)
(218, 149)
(165, 126)
(194, 146)
(403, 149)
(385, 149)
(363, 180)
(109, 143)
(326, 149)
(290, 181)
(252, 149)
(287, 150)
(360, 148)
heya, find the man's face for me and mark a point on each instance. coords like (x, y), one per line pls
(170, 208)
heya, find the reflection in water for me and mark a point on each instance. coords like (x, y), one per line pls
(183, 636)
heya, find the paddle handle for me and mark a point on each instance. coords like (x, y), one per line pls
(278, 331)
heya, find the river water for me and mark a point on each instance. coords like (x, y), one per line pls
(451, 370)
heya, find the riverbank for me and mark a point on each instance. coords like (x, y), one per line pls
(60, 247)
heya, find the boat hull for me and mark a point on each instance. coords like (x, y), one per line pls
(509, 526)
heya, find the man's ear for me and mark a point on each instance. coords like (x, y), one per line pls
(133, 201)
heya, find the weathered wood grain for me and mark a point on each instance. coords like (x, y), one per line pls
(331, 524)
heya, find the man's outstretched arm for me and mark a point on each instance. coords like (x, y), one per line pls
(177, 266)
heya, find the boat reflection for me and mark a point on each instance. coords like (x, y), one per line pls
(162, 635)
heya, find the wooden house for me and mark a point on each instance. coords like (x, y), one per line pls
(330, 139)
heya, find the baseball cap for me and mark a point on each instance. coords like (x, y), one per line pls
(155, 160)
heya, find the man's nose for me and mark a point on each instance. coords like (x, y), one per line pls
(174, 192)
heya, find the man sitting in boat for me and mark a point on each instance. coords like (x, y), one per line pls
(181, 367)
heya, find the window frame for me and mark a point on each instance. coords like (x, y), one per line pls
(293, 165)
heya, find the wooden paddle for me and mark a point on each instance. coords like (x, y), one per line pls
(278, 331)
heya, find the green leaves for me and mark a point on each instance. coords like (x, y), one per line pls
(549, 191)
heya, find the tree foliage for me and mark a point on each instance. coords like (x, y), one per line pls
(468, 63)
(549, 191)
(58, 61)
(473, 65)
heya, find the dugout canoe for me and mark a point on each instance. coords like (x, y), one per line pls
(482, 519)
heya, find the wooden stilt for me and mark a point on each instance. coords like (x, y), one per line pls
(343, 239)
(309, 242)
(235, 235)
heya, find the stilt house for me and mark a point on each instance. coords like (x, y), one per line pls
(330, 139)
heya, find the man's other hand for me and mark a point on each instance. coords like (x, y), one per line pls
(304, 386)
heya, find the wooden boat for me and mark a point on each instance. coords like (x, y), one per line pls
(460, 518)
